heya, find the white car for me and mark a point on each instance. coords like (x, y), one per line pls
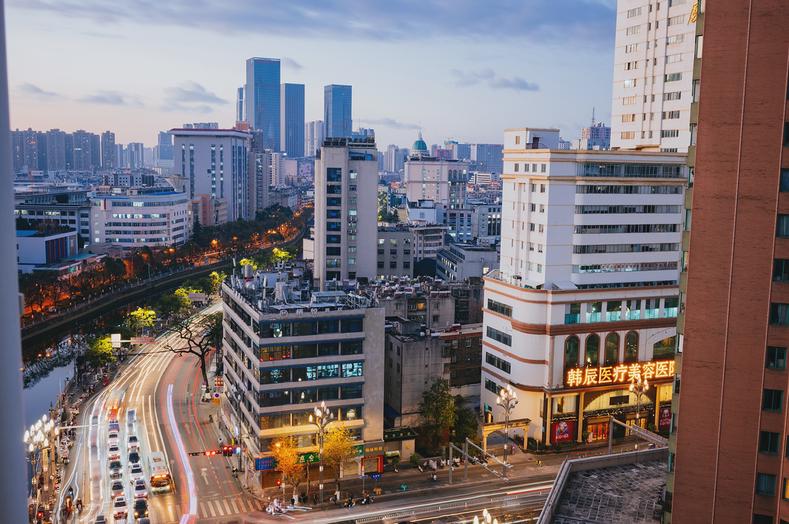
(112, 438)
(136, 473)
(140, 491)
(134, 443)
(114, 453)
(119, 509)
(116, 490)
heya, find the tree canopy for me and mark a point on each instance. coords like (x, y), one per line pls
(338, 448)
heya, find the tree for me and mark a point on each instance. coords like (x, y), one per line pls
(286, 454)
(338, 448)
(184, 302)
(169, 305)
(197, 337)
(99, 352)
(437, 408)
(217, 277)
(466, 422)
(248, 262)
(141, 318)
(280, 255)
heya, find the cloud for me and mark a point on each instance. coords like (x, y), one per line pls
(388, 122)
(177, 107)
(112, 98)
(34, 90)
(491, 79)
(587, 22)
(291, 64)
(192, 92)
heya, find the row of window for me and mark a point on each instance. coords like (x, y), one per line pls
(302, 418)
(516, 167)
(624, 248)
(300, 328)
(572, 350)
(628, 190)
(500, 308)
(626, 228)
(281, 397)
(311, 372)
(629, 170)
(626, 267)
(299, 351)
(499, 336)
(618, 210)
(500, 363)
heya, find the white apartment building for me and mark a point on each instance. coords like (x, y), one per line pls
(313, 137)
(587, 292)
(431, 178)
(214, 162)
(653, 75)
(346, 210)
(137, 218)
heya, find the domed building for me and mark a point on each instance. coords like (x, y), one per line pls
(420, 146)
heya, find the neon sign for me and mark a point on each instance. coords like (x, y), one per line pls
(620, 374)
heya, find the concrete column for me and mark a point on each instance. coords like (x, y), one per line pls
(580, 438)
(657, 406)
(548, 417)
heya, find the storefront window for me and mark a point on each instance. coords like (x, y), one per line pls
(631, 347)
(592, 356)
(572, 348)
(611, 349)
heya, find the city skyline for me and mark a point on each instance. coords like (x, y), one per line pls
(445, 71)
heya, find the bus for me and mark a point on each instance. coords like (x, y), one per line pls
(114, 404)
(161, 480)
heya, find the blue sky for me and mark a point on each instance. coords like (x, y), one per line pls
(463, 69)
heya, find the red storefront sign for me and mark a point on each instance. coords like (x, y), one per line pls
(664, 420)
(563, 431)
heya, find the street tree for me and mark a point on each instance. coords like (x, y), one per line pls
(286, 454)
(141, 319)
(198, 336)
(99, 352)
(248, 262)
(338, 448)
(280, 255)
(217, 277)
(466, 421)
(439, 415)
(184, 302)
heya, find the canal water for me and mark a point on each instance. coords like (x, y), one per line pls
(36, 400)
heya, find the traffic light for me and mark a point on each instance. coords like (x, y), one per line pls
(279, 482)
(237, 451)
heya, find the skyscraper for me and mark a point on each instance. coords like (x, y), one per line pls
(337, 113)
(240, 104)
(108, 150)
(56, 150)
(262, 99)
(83, 150)
(313, 137)
(487, 157)
(653, 69)
(730, 431)
(292, 124)
(165, 143)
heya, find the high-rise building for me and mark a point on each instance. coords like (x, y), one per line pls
(430, 178)
(136, 155)
(262, 99)
(56, 150)
(121, 158)
(165, 143)
(292, 124)
(240, 104)
(41, 149)
(214, 162)
(653, 70)
(729, 458)
(108, 150)
(25, 153)
(337, 111)
(313, 137)
(596, 136)
(587, 291)
(487, 157)
(83, 151)
(346, 210)
(394, 158)
(460, 151)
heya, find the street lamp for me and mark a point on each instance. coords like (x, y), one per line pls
(507, 399)
(487, 518)
(36, 438)
(321, 419)
(638, 386)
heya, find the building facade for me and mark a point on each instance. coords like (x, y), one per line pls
(395, 252)
(108, 150)
(337, 111)
(587, 292)
(313, 137)
(431, 178)
(262, 99)
(458, 262)
(346, 210)
(66, 207)
(292, 125)
(487, 157)
(653, 70)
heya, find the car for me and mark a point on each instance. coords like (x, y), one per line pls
(144, 520)
(100, 520)
(114, 453)
(140, 508)
(136, 473)
(114, 426)
(112, 438)
(119, 509)
(134, 458)
(116, 489)
(140, 491)
(116, 470)
(134, 443)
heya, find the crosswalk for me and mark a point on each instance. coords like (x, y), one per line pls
(228, 506)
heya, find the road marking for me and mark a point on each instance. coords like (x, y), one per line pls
(227, 507)
(203, 511)
(235, 507)
(211, 508)
(190, 481)
(204, 474)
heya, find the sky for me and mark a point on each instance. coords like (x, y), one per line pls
(456, 69)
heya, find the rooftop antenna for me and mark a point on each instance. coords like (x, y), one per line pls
(593, 121)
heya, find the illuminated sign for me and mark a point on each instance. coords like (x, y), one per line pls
(620, 374)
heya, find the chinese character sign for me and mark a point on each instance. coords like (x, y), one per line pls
(619, 374)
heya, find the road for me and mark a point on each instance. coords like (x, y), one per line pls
(161, 388)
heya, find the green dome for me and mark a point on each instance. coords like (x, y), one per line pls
(420, 144)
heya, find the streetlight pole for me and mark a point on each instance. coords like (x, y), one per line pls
(507, 399)
(487, 518)
(321, 419)
(638, 386)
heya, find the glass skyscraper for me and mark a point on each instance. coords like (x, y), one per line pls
(292, 128)
(337, 111)
(262, 99)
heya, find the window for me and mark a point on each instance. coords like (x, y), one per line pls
(516, 166)
(776, 358)
(632, 30)
(784, 180)
(674, 20)
(631, 48)
(772, 399)
(673, 59)
(629, 117)
(571, 352)
(592, 356)
(628, 100)
(499, 336)
(669, 133)
(664, 349)
(498, 307)
(765, 484)
(497, 362)
(491, 386)
(781, 270)
(636, 11)
(627, 135)
(675, 39)
(673, 95)
(762, 519)
(611, 349)
(631, 347)
(769, 442)
(630, 82)
(779, 314)
(670, 115)
(672, 77)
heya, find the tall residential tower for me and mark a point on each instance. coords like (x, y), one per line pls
(262, 99)
(292, 124)
(337, 114)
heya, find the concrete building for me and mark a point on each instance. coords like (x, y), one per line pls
(135, 155)
(292, 120)
(209, 211)
(56, 150)
(395, 255)
(262, 99)
(587, 292)
(487, 157)
(83, 151)
(337, 111)
(596, 136)
(428, 240)
(485, 222)
(346, 210)
(430, 178)
(459, 262)
(108, 150)
(306, 348)
(313, 137)
(458, 220)
(653, 70)
(728, 459)
(165, 154)
(36, 248)
(415, 357)
(137, 218)
(214, 162)
(65, 207)
(425, 212)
